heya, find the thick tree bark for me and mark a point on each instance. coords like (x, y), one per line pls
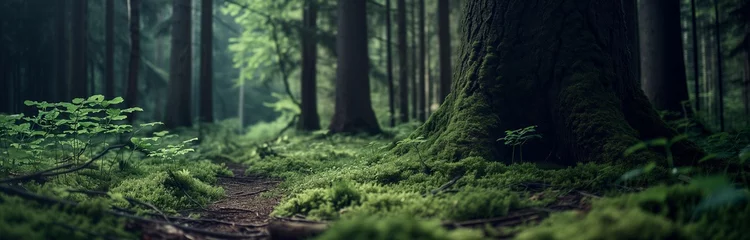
(309, 118)
(61, 62)
(180, 67)
(413, 69)
(564, 66)
(131, 94)
(421, 98)
(389, 63)
(663, 77)
(403, 65)
(78, 80)
(109, 52)
(206, 105)
(444, 42)
(353, 111)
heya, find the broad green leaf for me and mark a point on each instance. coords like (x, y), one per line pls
(77, 100)
(96, 98)
(29, 103)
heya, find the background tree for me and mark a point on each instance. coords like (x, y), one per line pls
(403, 65)
(583, 99)
(109, 58)
(389, 64)
(178, 101)
(78, 80)
(309, 119)
(353, 105)
(131, 95)
(663, 76)
(444, 42)
(206, 63)
(421, 91)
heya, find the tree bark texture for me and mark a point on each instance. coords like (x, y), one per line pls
(109, 51)
(564, 66)
(421, 91)
(389, 63)
(353, 111)
(180, 67)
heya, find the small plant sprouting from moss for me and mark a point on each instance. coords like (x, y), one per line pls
(519, 137)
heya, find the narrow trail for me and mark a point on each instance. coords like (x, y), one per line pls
(244, 212)
(243, 205)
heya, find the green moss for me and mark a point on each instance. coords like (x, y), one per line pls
(169, 191)
(399, 227)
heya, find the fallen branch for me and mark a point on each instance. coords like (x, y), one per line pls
(252, 225)
(51, 202)
(53, 172)
(446, 185)
(132, 201)
(251, 193)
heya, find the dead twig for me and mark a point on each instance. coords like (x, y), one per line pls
(251, 193)
(446, 185)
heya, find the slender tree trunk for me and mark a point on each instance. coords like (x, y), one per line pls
(309, 118)
(61, 83)
(206, 68)
(131, 95)
(353, 111)
(421, 92)
(696, 73)
(719, 66)
(578, 87)
(414, 62)
(109, 52)
(444, 42)
(241, 102)
(389, 63)
(663, 76)
(746, 83)
(403, 65)
(180, 67)
(79, 83)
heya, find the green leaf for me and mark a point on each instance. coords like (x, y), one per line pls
(658, 142)
(678, 138)
(96, 98)
(635, 148)
(77, 100)
(118, 118)
(116, 100)
(29, 103)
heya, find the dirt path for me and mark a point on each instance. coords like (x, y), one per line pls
(243, 212)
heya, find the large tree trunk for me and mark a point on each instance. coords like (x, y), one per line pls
(180, 67)
(309, 118)
(206, 80)
(353, 111)
(696, 73)
(719, 66)
(569, 72)
(663, 76)
(444, 42)
(78, 80)
(131, 95)
(403, 65)
(109, 52)
(61, 61)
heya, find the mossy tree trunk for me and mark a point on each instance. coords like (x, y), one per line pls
(565, 66)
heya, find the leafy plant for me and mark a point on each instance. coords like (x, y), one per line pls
(519, 137)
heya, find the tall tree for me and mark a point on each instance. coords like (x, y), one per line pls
(389, 63)
(403, 65)
(696, 73)
(131, 94)
(663, 76)
(78, 81)
(413, 69)
(180, 67)
(353, 111)
(421, 98)
(444, 42)
(63, 69)
(578, 87)
(206, 65)
(719, 65)
(109, 52)
(309, 119)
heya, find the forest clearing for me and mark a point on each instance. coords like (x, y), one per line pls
(377, 119)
